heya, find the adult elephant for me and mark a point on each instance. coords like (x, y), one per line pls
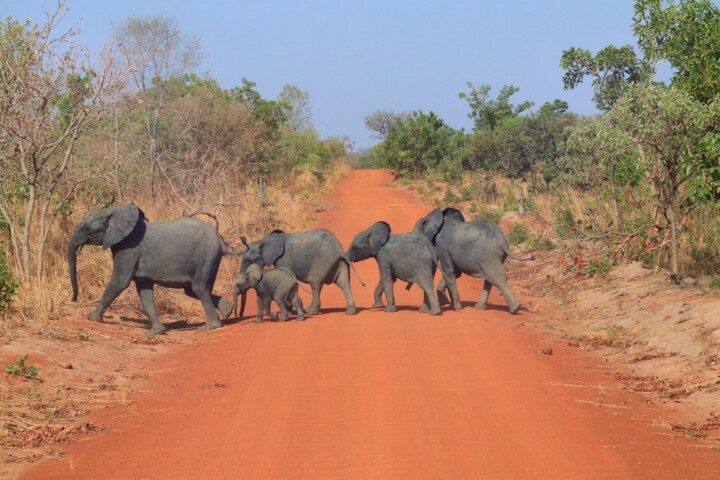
(406, 256)
(314, 256)
(182, 253)
(477, 248)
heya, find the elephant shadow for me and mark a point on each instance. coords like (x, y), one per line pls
(490, 306)
(175, 325)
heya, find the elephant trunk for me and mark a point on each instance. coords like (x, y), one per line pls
(73, 246)
(236, 292)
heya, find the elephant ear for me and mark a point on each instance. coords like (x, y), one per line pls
(453, 214)
(121, 221)
(430, 224)
(273, 246)
(378, 235)
(255, 274)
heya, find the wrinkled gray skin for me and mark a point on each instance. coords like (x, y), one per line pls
(477, 248)
(278, 284)
(183, 253)
(407, 256)
(315, 257)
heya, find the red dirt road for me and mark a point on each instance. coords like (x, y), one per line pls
(465, 395)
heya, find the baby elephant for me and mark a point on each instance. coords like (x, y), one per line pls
(407, 256)
(277, 284)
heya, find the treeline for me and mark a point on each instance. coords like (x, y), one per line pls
(134, 122)
(650, 161)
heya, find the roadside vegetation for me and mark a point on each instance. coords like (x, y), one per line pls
(639, 181)
(136, 122)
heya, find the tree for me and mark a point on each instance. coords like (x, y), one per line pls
(52, 91)
(612, 70)
(384, 122)
(668, 126)
(488, 113)
(685, 33)
(158, 51)
(296, 105)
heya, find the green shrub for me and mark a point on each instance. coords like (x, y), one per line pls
(541, 244)
(519, 234)
(21, 369)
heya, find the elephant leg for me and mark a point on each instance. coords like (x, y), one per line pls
(378, 296)
(343, 281)
(121, 277)
(441, 287)
(496, 276)
(430, 301)
(297, 303)
(314, 307)
(260, 309)
(205, 296)
(147, 298)
(482, 302)
(282, 303)
(267, 305)
(387, 282)
(224, 305)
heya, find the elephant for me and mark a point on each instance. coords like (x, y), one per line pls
(406, 256)
(477, 248)
(182, 253)
(277, 284)
(313, 256)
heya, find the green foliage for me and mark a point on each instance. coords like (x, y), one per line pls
(422, 144)
(685, 33)
(519, 234)
(599, 267)
(8, 285)
(612, 70)
(21, 369)
(486, 113)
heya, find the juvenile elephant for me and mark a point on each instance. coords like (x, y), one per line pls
(407, 256)
(477, 248)
(278, 284)
(314, 256)
(182, 253)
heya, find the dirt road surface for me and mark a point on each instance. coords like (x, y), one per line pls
(466, 395)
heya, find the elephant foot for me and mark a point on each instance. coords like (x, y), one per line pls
(481, 306)
(313, 310)
(457, 306)
(259, 320)
(514, 307)
(435, 312)
(442, 298)
(351, 310)
(94, 316)
(213, 325)
(161, 330)
(424, 309)
(284, 318)
(300, 318)
(390, 308)
(378, 304)
(225, 309)
(274, 316)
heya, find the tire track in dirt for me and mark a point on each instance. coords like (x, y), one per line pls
(376, 395)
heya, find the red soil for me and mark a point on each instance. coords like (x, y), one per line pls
(469, 394)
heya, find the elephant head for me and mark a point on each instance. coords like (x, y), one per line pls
(368, 243)
(430, 224)
(264, 252)
(245, 281)
(452, 215)
(101, 227)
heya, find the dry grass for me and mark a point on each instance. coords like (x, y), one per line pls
(289, 204)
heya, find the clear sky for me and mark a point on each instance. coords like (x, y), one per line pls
(354, 57)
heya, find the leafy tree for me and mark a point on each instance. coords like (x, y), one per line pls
(611, 70)
(422, 143)
(296, 105)
(52, 92)
(487, 113)
(686, 33)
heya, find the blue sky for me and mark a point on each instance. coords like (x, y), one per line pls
(354, 57)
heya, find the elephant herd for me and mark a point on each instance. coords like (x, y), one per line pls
(186, 252)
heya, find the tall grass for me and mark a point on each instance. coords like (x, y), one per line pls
(290, 203)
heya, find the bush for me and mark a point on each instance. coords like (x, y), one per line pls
(7, 283)
(519, 234)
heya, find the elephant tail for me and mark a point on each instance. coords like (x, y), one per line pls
(409, 285)
(506, 249)
(226, 249)
(353, 269)
(437, 265)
